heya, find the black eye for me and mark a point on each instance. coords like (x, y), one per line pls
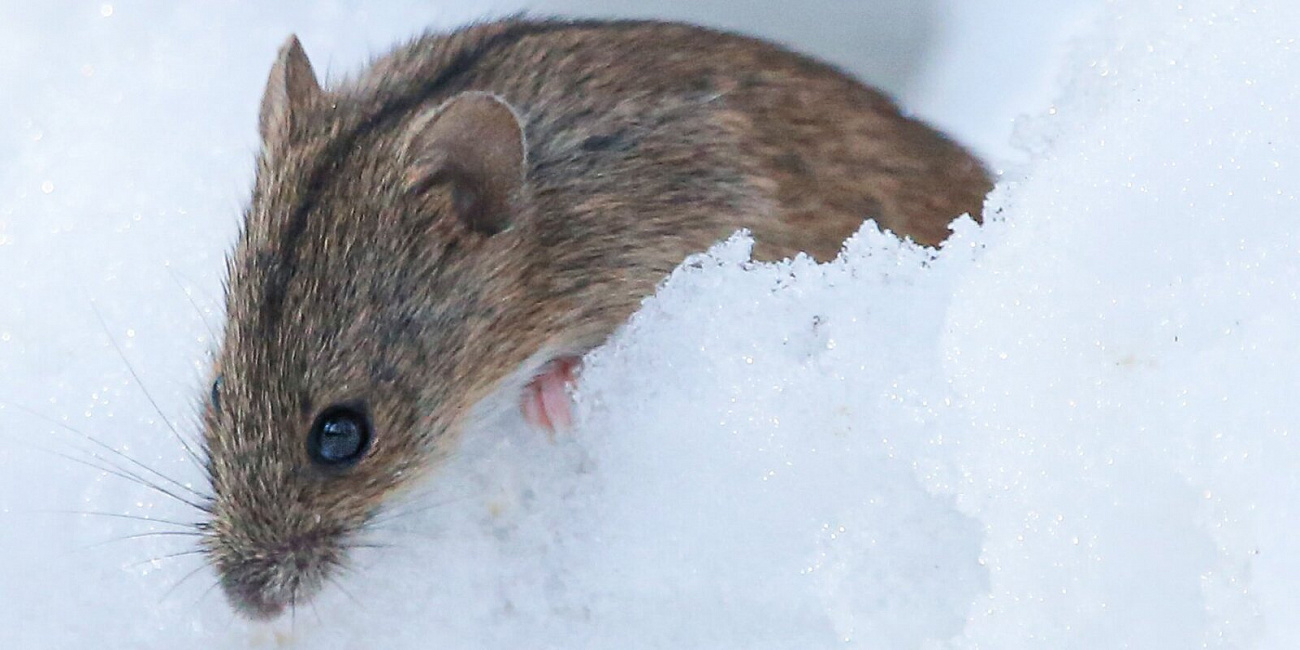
(216, 394)
(339, 438)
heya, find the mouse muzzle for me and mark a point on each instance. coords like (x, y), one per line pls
(262, 580)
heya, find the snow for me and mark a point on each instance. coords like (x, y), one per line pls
(1069, 428)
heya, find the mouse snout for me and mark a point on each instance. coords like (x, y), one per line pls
(262, 580)
(252, 601)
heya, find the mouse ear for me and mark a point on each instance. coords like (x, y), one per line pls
(290, 89)
(475, 144)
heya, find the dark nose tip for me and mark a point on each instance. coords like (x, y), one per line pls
(262, 580)
(251, 601)
(261, 611)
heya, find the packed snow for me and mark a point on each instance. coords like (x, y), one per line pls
(1068, 428)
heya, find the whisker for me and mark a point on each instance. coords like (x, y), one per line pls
(369, 545)
(416, 534)
(140, 383)
(215, 583)
(160, 558)
(120, 515)
(113, 540)
(182, 581)
(339, 585)
(315, 612)
(176, 277)
(101, 444)
(127, 475)
(157, 533)
(389, 515)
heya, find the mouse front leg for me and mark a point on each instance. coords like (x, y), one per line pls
(545, 401)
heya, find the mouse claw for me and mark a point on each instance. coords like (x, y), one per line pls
(545, 402)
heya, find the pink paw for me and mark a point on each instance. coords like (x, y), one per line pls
(545, 401)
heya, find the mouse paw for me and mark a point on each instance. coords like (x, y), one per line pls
(545, 402)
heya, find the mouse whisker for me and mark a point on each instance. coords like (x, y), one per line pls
(123, 515)
(368, 545)
(129, 476)
(432, 536)
(105, 446)
(184, 579)
(86, 548)
(156, 533)
(161, 558)
(389, 515)
(198, 462)
(212, 587)
(176, 278)
(346, 568)
(315, 612)
(338, 584)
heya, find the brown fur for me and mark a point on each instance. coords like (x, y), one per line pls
(389, 261)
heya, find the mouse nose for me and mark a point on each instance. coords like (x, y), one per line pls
(261, 581)
(265, 611)
(258, 596)
(253, 604)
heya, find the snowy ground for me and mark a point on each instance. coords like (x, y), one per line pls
(1068, 429)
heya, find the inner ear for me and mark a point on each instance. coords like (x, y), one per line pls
(475, 144)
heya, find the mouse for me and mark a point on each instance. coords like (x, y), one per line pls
(465, 218)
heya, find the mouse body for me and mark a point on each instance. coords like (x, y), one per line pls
(480, 205)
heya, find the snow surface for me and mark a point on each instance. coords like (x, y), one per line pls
(1070, 428)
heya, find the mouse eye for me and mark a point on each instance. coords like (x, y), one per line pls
(216, 394)
(340, 436)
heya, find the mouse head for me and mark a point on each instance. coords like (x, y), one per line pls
(376, 294)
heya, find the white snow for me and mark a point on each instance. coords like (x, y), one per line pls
(1069, 428)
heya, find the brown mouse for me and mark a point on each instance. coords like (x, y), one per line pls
(478, 208)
